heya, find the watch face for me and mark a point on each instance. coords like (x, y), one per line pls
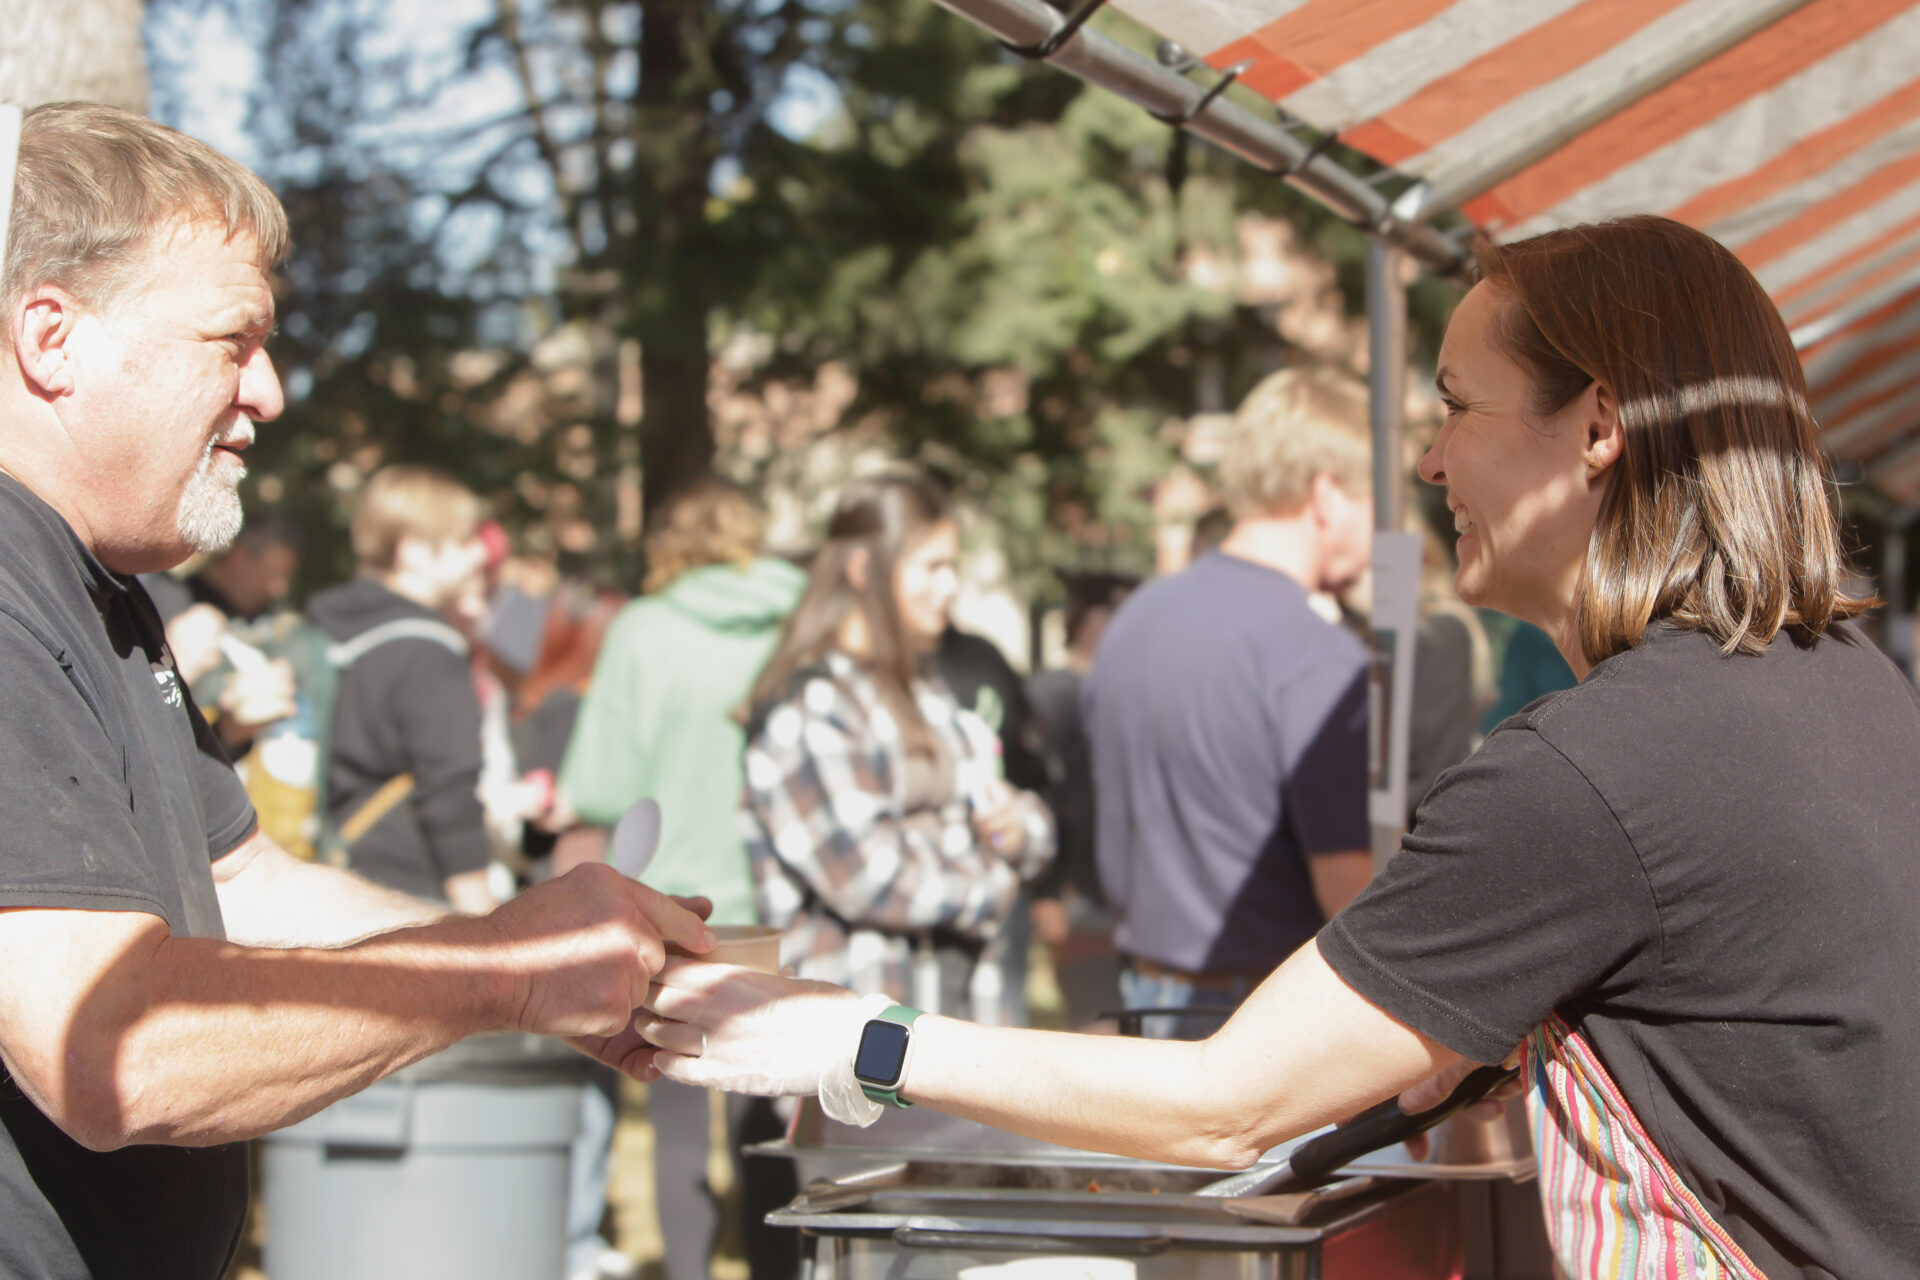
(882, 1055)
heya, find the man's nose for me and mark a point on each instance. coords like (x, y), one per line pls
(260, 396)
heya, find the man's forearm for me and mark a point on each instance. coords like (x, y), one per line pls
(198, 1041)
(122, 1033)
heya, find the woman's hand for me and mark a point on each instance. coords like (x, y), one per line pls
(1000, 820)
(723, 1027)
(1003, 829)
(1436, 1088)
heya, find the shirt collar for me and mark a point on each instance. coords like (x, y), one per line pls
(101, 582)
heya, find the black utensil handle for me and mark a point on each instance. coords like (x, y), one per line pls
(1317, 1161)
(995, 1242)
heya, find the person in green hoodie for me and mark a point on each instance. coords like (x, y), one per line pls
(659, 719)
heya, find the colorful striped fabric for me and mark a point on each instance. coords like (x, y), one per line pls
(1615, 1208)
(1788, 129)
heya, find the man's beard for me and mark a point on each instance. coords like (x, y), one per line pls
(210, 516)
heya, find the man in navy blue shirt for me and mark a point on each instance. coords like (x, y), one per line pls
(1228, 718)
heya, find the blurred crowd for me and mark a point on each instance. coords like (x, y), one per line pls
(1157, 819)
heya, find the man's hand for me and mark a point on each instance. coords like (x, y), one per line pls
(628, 1052)
(584, 949)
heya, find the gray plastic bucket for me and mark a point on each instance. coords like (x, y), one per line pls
(455, 1167)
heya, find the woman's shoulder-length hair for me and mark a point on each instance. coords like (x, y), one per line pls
(1719, 514)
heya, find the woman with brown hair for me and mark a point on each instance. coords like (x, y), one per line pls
(1684, 889)
(882, 836)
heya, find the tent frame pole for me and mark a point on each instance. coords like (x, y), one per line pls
(1030, 26)
(1387, 383)
(1386, 414)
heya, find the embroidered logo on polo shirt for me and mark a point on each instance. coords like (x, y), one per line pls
(169, 685)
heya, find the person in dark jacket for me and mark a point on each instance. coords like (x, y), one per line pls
(407, 707)
(1069, 910)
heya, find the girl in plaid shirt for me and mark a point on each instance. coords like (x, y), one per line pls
(881, 835)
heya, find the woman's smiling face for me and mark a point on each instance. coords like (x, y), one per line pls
(1524, 490)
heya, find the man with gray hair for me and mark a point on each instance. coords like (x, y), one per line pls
(1228, 720)
(175, 982)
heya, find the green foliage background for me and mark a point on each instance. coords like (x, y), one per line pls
(956, 211)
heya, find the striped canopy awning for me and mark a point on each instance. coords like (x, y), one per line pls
(1788, 129)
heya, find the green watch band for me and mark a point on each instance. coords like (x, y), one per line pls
(880, 1065)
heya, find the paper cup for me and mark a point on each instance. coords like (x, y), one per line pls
(752, 946)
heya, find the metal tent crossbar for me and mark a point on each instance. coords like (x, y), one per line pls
(1035, 27)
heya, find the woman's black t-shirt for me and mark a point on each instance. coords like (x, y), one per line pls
(1710, 866)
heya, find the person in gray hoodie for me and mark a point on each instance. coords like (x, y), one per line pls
(659, 719)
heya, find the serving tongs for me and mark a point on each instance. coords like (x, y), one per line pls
(1316, 1162)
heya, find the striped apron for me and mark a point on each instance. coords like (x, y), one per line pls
(1615, 1208)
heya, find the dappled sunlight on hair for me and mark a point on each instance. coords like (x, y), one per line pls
(97, 186)
(1738, 391)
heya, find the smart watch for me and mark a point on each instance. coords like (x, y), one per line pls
(880, 1064)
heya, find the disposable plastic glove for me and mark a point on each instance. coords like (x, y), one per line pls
(720, 1026)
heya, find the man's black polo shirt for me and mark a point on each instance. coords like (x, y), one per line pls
(114, 796)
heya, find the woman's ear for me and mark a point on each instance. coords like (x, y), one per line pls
(1604, 439)
(858, 563)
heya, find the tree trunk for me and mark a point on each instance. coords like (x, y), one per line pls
(676, 436)
(84, 49)
(670, 319)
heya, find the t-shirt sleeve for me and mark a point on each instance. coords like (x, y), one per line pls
(230, 815)
(68, 838)
(1320, 715)
(1515, 894)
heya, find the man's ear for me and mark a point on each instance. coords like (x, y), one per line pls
(1605, 441)
(1325, 498)
(42, 326)
(412, 554)
(857, 565)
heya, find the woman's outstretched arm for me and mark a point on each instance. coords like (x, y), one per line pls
(1304, 1051)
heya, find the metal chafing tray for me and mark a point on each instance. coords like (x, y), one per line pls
(924, 1196)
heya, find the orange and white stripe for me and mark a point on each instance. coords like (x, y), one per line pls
(1797, 145)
